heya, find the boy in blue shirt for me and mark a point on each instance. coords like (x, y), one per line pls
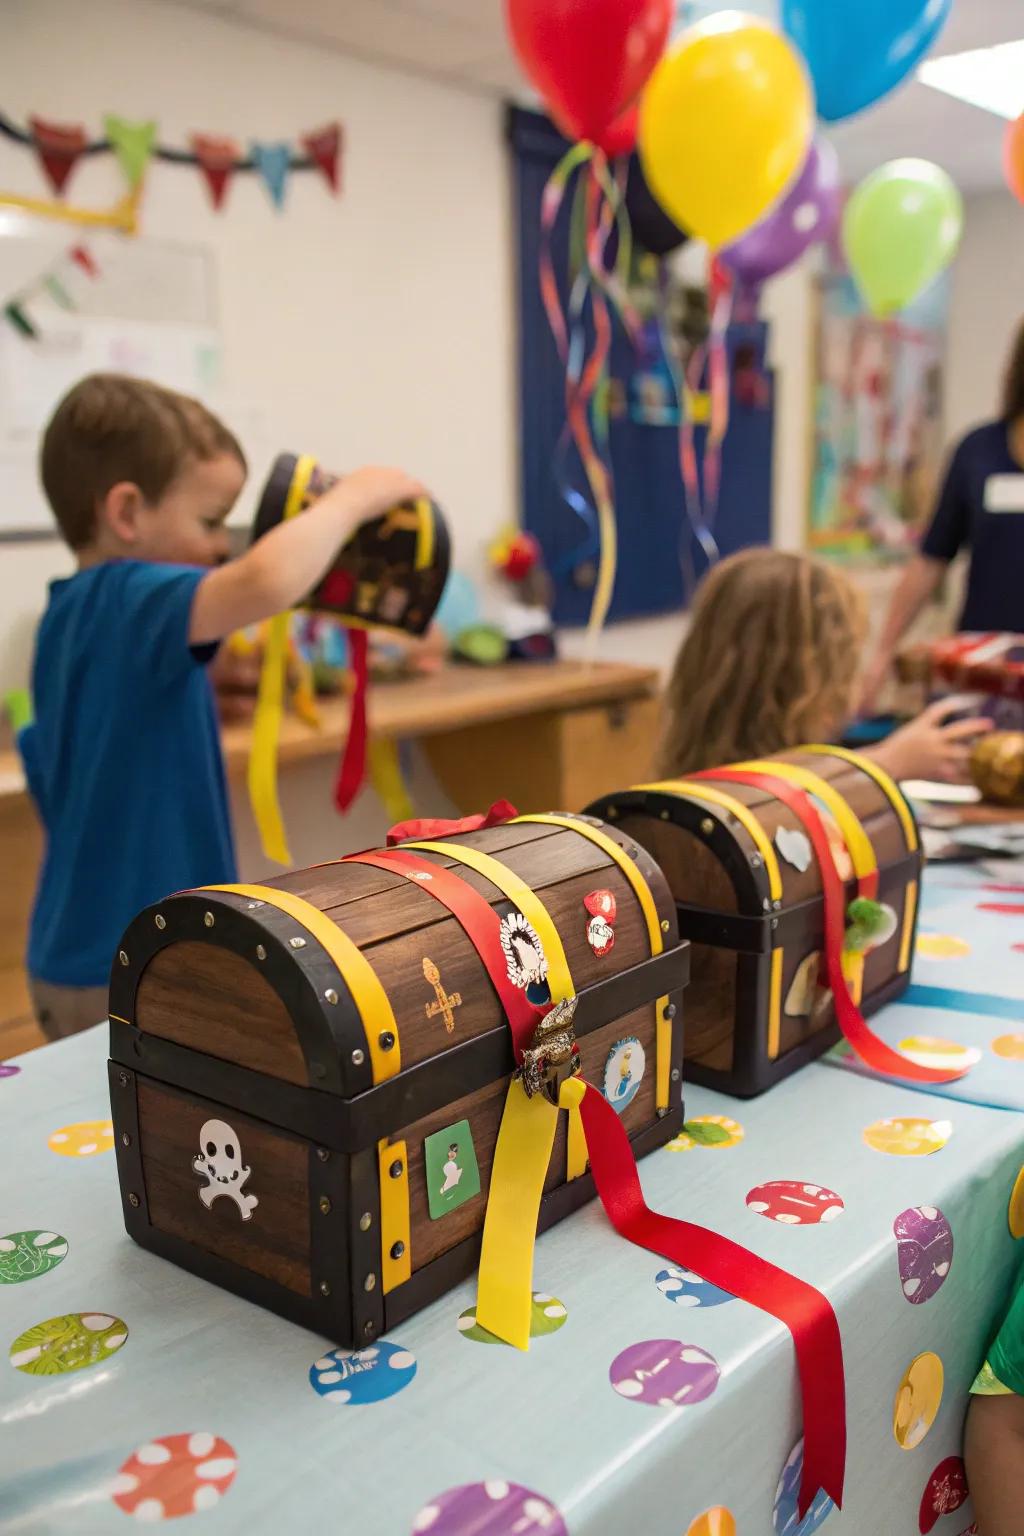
(123, 759)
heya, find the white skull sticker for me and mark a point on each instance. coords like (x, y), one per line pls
(220, 1161)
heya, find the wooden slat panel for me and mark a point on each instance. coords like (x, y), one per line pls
(275, 1241)
(210, 999)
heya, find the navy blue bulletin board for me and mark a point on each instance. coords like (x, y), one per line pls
(645, 458)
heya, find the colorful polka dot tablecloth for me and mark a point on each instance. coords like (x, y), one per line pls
(649, 1401)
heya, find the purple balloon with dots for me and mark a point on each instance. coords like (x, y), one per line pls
(924, 1245)
(809, 213)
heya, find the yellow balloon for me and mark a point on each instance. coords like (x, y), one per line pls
(725, 125)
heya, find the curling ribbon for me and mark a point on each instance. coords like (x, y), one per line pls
(266, 725)
(388, 780)
(868, 1046)
(805, 1311)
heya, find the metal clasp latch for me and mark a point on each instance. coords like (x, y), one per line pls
(553, 1056)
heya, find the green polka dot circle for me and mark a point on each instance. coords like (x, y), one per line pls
(24, 1255)
(547, 1314)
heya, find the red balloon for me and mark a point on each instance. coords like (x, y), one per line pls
(1013, 158)
(589, 59)
(619, 138)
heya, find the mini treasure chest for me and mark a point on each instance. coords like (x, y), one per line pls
(390, 574)
(796, 881)
(308, 1076)
(988, 669)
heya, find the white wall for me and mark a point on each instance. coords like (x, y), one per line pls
(987, 306)
(372, 328)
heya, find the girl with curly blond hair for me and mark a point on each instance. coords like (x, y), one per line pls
(770, 662)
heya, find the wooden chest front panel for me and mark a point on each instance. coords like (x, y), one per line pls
(431, 1238)
(275, 1240)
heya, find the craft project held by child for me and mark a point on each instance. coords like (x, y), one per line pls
(123, 758)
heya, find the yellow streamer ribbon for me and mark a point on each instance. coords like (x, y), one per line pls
(266, 725)
(388, 780)
(889, 787)
(526, 1135)
(862, 854)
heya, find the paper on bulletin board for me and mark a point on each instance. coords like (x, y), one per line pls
(36, 372)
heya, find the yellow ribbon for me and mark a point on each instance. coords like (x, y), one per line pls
(388, 780)
(526, 1135)
(889, 787)
(862, 854)
(266, 725)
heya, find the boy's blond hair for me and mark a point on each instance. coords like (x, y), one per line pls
(769, 662)
(111, 428)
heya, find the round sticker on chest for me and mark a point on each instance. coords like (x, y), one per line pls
(624, 1072)
(523, 951)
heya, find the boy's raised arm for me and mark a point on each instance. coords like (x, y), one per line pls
(284, 565)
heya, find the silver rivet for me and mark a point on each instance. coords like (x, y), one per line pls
(397, 1249)
(663, 815)
(777, 906)
(755, 861)
(662, 1113)
(325, 1205)
(612, 812)
(365, 1222)
(330, 996)
(122, 1078)
(670, 1011)
(325, 1289)
(133, 1200)
(252, 905)
(707, 826)
(126, 1140)
(370, 1283)
(387, 1040)
(122, 957)
(665, 925)
(766, 904)
(358, 1057)
(160, 920)
(775, 923)
(675, 1074)
(208, 919)
(261, 953)
(318, 1069)
(397, 1168)
(369, 1329)
(297, 943)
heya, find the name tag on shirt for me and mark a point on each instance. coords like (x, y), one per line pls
(1004, 493)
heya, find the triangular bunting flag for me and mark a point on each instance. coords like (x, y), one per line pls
(58, 293)
(59, 146)
(273, 161)
(324, 148)
(84, 258)
(132, 143)
(217, 158)
(20, 320)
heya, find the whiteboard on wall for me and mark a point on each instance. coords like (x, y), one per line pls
(151, 311)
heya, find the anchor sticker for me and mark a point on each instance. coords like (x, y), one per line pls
(446, 1002)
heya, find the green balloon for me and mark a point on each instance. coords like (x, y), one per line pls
(901, 228)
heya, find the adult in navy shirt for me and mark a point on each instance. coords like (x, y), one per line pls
(980, 508)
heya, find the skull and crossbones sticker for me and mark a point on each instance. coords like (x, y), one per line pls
(219, 1160)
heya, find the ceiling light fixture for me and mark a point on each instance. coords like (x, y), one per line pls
(991, 78)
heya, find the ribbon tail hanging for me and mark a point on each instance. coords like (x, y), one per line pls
(805, 1311)
(352, 768)
(266, 731)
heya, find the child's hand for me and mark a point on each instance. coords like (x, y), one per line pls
(928, 748)
(369, 492)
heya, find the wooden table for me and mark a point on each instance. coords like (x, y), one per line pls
(545, 735)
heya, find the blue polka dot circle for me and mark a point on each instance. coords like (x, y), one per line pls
(689, 1290)
(362, 1375)
(785, 1520)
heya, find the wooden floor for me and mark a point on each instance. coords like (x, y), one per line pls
(18, 1029)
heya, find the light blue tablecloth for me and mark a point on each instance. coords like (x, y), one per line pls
(198, 1361)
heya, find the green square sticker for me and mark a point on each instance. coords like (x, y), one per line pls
(452, 1173)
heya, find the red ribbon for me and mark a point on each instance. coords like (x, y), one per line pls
(352, 768)
(500, 812)
(871, 1050)
(805, 1311)
(478, 920)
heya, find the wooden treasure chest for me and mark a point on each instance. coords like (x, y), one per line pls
(391, 572)
(796, 880)
(307, 1077)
